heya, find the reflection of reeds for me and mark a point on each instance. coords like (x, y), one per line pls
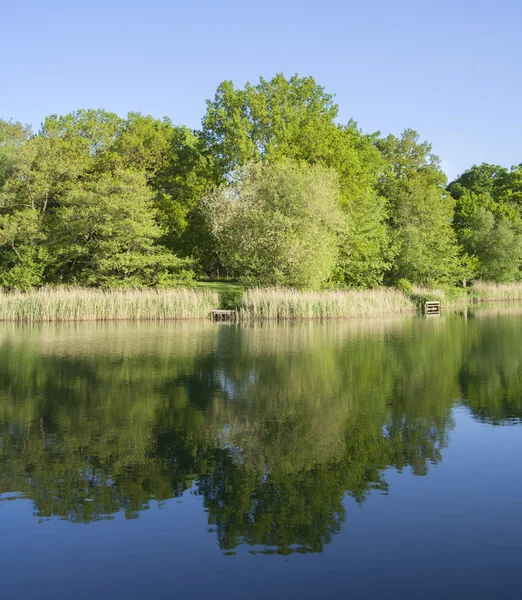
(176, 338)
(78, 304)
(282, 304)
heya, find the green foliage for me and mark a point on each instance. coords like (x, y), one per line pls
(420, 214)
(12, 137)
(280, 118)
(497, 244)
(295, 118)
(488, 220)
(104, 233)
(97, 199)
(405, 286)
(485, 179)
(78, 205)
(277, 224)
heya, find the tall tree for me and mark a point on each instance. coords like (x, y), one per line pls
(488, 219)
(295, 118)
(420, 213)
(79, 205)
(104, 233)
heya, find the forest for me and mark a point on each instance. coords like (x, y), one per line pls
(271, 190)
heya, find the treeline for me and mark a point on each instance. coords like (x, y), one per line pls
(271, 189)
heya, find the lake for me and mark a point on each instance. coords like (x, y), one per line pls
(351, 459)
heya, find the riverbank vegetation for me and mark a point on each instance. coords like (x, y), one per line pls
(84, 304)
(283, 304)
(272, 190)
(251, 304)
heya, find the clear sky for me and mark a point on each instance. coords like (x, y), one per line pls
(450, 69)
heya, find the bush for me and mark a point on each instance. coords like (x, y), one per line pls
(405, 286)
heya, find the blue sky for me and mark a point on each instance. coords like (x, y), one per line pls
(451, 70)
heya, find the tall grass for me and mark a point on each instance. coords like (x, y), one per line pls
(80, 304)
(256, 304)
(282, 304)
(483, 291)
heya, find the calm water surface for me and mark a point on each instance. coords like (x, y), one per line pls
(377, 459)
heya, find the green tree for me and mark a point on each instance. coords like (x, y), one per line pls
(277, 224)
(487, 179)
(104, 233)
(420, 213)
(280, 118)
(82, 203)
(497, 245)
(295, 118)
(12, 137)
(488, 219)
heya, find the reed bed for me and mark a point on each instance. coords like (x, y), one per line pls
(422, 294)
(80, 304)
(483, 291)
(282, 304)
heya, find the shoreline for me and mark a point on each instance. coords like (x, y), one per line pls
(251, 305)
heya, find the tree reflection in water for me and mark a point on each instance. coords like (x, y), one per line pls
(271, 425)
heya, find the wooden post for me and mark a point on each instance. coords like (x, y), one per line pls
(224, 315)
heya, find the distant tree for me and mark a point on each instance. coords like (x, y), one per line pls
(295, 118)
(80, 203)
(496, 244)
(277, 118)
(483, 179)
(12, 137)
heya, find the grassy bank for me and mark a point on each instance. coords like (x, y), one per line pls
(282, 304)
(79, 304)
(480, 291)
(495, 292)
(255, 304)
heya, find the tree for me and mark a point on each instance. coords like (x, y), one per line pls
(104, 233)
(277, 224)
(488, 219)
(420, 213)
(496, 244)
(79, 203)
(295, 118)
(483, 179)
(280, 118)
(12, 137)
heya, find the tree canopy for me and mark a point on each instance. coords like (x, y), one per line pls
(94, 198)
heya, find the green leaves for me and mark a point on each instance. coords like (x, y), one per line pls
(488, 219)
(277, 224)
(119, 199)
(280, 118)
(104, 233)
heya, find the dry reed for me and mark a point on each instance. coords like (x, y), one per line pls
(80, 304)
(282, 304)
(483, 291)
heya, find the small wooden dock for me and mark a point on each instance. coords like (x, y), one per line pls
(432, 308)
(224, 315)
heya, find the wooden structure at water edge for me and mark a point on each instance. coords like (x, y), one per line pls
(432, 308)
(224, 315)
